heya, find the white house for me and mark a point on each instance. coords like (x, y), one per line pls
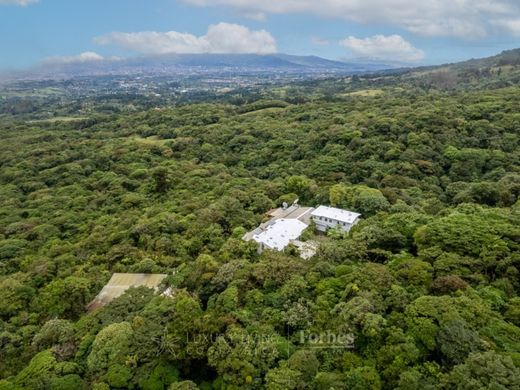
(330, 217)
(288, 223)
(279, 234)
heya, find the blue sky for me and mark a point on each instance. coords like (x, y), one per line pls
(403, 31)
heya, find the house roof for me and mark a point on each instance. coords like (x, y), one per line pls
(300, 213)
(119, 283)
(279, 234)
(292, 212)
(336, 214)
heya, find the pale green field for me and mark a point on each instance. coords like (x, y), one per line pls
(59, 119)
(366, 93)
(267, 110)
(151, 141)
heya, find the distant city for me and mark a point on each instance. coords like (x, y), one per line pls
(162, 80)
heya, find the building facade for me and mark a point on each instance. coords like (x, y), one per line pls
(332, 218)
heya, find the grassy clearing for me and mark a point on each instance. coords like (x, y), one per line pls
(41, 92)
(366, 93)
(59, 119)
(267, 110)
(150, 141)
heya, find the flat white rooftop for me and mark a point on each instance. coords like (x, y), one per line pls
(336, 214)
(278, 235)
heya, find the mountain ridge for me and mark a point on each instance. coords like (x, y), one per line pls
(209, 63)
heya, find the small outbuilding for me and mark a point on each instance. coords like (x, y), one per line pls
(119, 283)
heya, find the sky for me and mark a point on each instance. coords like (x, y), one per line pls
(392, 31)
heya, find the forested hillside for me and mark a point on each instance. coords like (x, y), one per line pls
(423, 294)
(499, 71)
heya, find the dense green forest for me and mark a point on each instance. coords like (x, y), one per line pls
(425, 289)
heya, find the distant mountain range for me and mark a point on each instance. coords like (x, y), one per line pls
(505, 65)
(202, 63)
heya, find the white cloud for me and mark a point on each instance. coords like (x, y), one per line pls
(22, 3)
(468, 19)
(220, 38)
(87, 56)
(511, 25)
(380, 47)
